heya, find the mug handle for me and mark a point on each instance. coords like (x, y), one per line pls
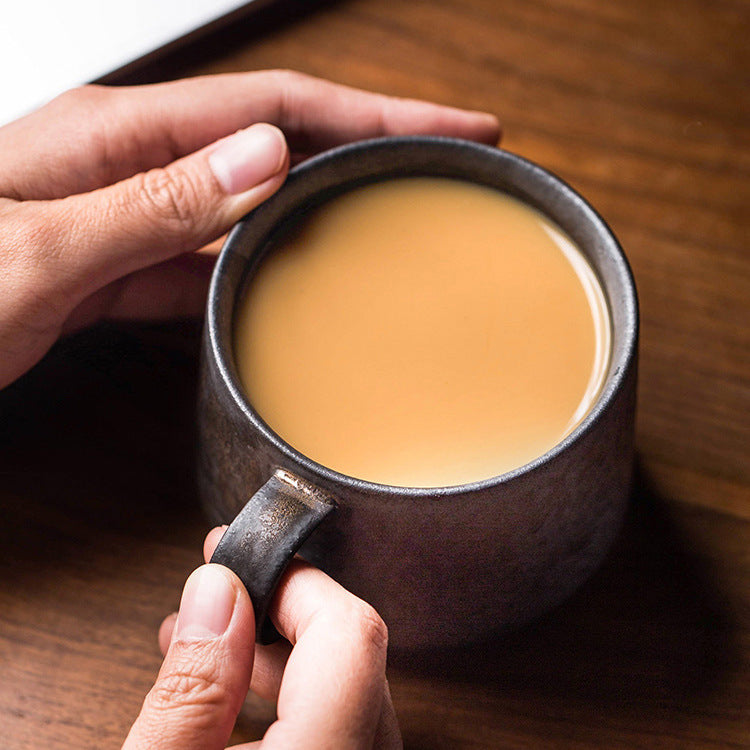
(266, 534)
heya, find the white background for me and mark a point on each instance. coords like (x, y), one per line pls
(48, 46)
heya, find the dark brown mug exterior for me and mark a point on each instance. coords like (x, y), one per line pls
(449, 565)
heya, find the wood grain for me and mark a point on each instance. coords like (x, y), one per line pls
(643, 107)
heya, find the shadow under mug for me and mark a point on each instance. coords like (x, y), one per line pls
(442, 566)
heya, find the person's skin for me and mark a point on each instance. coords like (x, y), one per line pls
(105, 195)
(327, 678)
(105, 192)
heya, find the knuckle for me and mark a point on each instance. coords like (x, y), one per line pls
(89, 96)
(31, 240)
(293, 89)
(92, 104)
(31, 229)
(189, 689)
(371, 631)
(172, 198)
(35, 287)
(286, 77)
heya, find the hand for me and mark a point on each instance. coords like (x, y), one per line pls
(328, 680)
(105, 192)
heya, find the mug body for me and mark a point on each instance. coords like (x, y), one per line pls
(448, 565)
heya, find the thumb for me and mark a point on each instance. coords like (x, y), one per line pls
(206, 673)
(158, 214)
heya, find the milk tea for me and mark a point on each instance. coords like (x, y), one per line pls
(423, 332)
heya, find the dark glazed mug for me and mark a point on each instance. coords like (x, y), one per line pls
(442, 566)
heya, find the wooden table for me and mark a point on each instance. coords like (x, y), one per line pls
(643, 106)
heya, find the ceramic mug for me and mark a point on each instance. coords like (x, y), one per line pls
(442, 565)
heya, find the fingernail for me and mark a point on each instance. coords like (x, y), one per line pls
(207, 604)
(248, 158)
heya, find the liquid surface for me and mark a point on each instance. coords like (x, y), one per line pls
(423, 332)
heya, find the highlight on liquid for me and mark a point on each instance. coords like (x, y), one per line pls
(423, 332)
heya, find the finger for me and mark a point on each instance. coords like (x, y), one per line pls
(165, 632)
(268, 668)
(270, 661)
(205, 675)
(338, 661)
(387, 734)
(92, 239)
(212, 540)
(316, 114)
(176, 288)
(96, 135)
(167, 627)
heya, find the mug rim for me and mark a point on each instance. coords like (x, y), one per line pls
(223, 282)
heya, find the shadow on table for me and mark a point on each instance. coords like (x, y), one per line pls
(97, 443)
(650, 625)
